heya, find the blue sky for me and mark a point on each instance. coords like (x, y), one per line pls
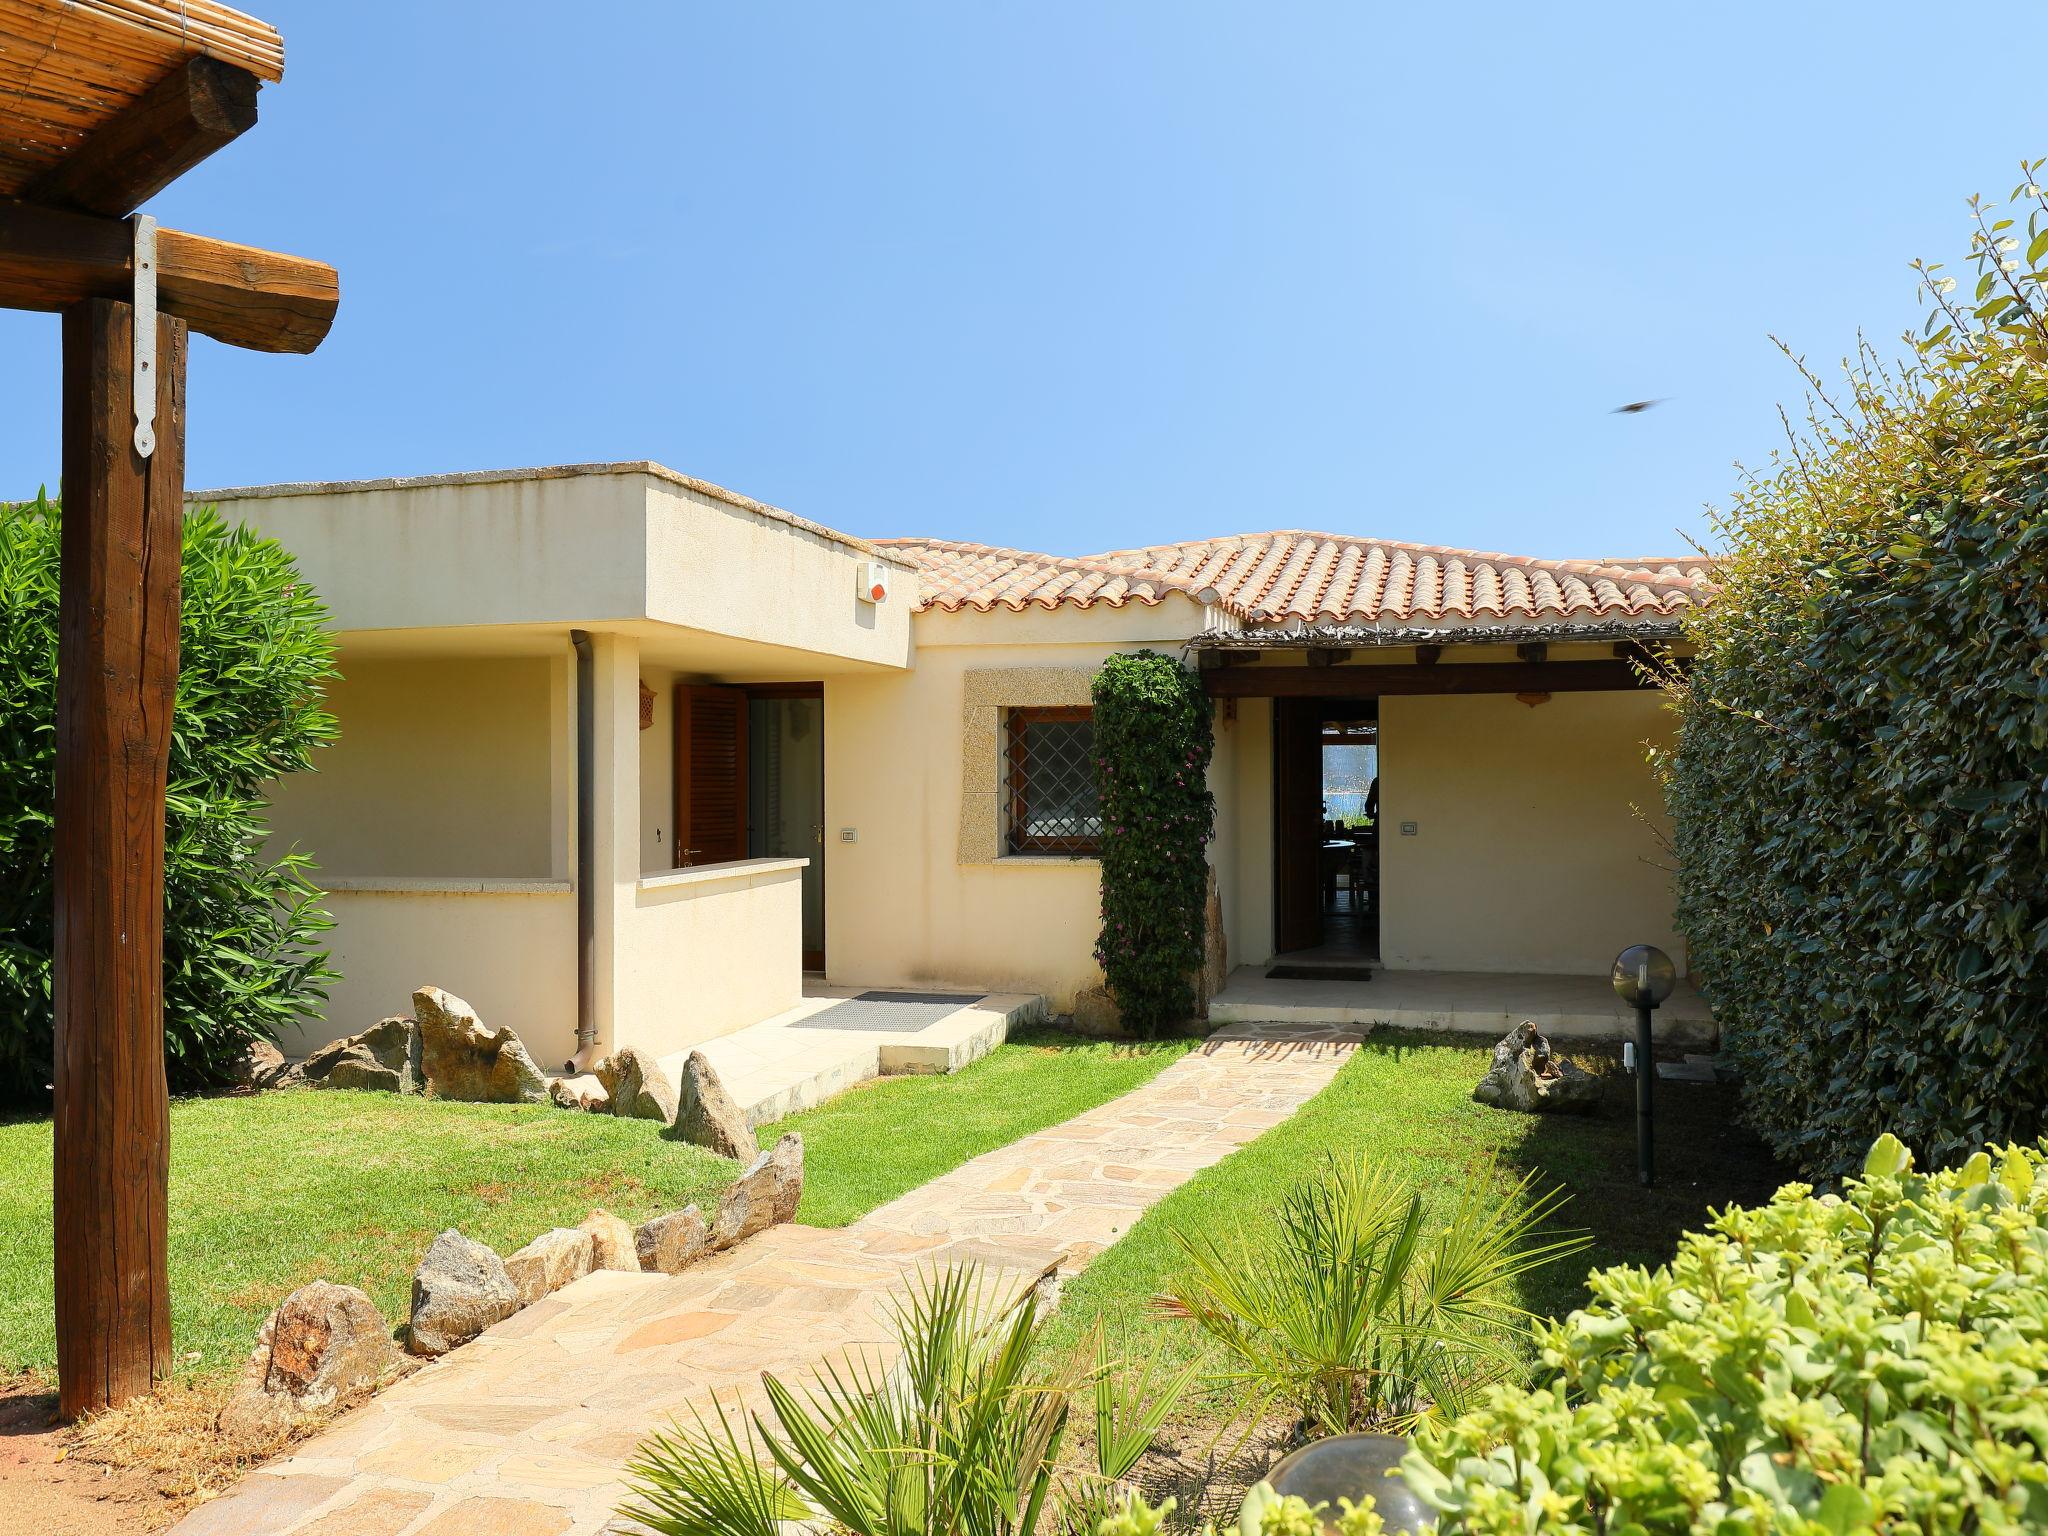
(1079, 276)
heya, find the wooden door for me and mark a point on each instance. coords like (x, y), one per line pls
(1297, 824)
(711, 774)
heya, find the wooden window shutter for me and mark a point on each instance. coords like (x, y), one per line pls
(711, 774)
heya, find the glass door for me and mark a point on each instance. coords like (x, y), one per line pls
(786, 793)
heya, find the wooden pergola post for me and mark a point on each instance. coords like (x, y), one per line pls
(117, 680)
(119, 101)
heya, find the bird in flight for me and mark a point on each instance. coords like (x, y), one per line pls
(1634, 407)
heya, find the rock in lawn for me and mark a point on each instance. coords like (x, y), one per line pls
(765, 1194)
(670, 1244)
(386, 1057)
(458, 1291)
(611, 1242)
(1527, 1074)
(1096, 1015)
(549, 1262)
(259, 1064)
(708, 1116)
(464, 1061)
(583, 1091)
(639, 1089)
(324, 1346)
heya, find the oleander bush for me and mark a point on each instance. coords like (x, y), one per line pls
(1859, 784)
(241, 930)
(1873, 1361)
(1153, 741)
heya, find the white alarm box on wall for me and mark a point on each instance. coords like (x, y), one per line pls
(874, 582)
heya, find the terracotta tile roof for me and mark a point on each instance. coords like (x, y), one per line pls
(953, 576)
(1316, 578)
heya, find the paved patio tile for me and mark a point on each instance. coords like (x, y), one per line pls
(498, 1517)
(526, 1432)
(378, 1512)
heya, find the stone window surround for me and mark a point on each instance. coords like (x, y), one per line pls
(986, 692)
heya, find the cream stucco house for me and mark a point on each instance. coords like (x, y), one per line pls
(624, 756)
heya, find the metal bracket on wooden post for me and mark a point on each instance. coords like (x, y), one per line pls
(145, 335)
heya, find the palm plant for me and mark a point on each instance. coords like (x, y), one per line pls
(1361, 1312)
(959, 1436)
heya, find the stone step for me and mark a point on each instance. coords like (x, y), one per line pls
(1691, 1070)
(774, 1069)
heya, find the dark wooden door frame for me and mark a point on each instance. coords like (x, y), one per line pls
(1297, 821)
(683, 779)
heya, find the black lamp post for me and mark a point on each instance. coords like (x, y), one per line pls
(1644, 976)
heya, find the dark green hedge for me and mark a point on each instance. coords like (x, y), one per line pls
(1153, 741)
(241, 931)
(1860, 782)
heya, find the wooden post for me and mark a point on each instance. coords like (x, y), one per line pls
(117, 671)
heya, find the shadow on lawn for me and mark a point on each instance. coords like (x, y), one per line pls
(1706, 1160)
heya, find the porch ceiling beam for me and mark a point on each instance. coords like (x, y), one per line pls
(1367, 682)
(238, 294)
(193, 111)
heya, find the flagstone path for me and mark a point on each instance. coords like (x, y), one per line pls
(526, 1431)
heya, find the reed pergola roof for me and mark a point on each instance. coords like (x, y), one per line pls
(103, 104)
(68, 70)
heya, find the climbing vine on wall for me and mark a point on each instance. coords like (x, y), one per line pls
(1153, 741)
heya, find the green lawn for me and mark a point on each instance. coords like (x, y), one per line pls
(886, 1137)
(1404, 1100)
(272, 1191)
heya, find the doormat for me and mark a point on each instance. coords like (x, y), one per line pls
(893, 1013)
(1320, 973)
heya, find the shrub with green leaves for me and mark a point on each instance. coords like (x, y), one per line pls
(956, 1432)
(1859, 786)
(1153, 741)
(241, 931)
(1870, 1361)
(1361, 1310)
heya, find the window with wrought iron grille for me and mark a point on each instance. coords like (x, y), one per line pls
(1050, 762)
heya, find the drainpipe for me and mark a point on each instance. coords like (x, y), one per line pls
(586, 847)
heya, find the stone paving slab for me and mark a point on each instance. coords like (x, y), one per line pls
(526, 1431)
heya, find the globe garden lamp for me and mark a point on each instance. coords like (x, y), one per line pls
(1643, 977)
(1348, 1467)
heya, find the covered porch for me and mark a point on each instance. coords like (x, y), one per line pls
(579, 773)
(1454, 825)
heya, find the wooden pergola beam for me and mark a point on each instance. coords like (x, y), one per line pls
(186, 116)
(117, 680)
(246, 297)
(1370, 682)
